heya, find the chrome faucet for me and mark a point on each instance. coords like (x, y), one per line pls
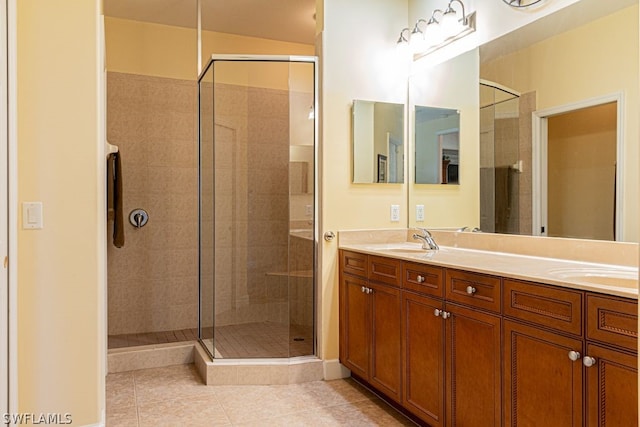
(427, 239)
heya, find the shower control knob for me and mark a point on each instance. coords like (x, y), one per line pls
(138, 218)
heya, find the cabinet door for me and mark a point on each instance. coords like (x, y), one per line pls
(423, 356)
(543, 386)
(386, 370)
(612, 388)
(355, 325)
(474, 369)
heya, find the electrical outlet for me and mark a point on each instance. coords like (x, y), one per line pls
(419, 212)
(395, 213)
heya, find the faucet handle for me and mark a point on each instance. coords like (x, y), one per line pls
(425, 232)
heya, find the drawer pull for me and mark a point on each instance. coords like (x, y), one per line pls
(471, 290)
(589, 361)
(574, 355)
(420, 279)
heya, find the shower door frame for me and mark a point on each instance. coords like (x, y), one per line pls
(316, 186)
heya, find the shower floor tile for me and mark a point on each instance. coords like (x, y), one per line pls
(246, 340)
(148, 338)
(175, 395)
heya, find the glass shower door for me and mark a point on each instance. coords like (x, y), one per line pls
(257, 195)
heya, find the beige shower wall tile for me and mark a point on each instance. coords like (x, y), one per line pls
(171, 179)
(178, 150)
(177, 235)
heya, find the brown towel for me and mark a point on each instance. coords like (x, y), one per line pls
(114, 198)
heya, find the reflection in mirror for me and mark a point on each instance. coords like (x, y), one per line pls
(437, 145)
(584, 55)
(500, 161)
(526, 186)
(378, 142)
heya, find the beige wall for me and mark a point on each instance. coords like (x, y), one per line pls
(164, 51)
(355, 65)
(591, 61)
(60, 341)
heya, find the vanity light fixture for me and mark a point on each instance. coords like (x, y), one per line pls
(435, 33)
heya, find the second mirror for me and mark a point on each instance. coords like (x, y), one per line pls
(437, 144)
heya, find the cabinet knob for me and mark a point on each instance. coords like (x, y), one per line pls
(574, 355)
(589, 361)
(437, 312)
(446, 314)
(420, 279)
(363, 289)
(369, 290)
(471, 290)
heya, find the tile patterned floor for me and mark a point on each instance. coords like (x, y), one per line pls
(247, 340)
(175, 396)
(148, 338)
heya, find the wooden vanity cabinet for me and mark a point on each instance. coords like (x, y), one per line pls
(423, 350)
(370, 322)
(451, 352)
(461, 348)
(611, 361)
(563, 367)
(474, 366)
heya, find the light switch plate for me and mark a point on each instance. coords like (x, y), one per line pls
(395, 213)
(419, 212)
(32, 215)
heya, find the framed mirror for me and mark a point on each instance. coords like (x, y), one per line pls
(582, 56)
(378, 142)
(437, 145)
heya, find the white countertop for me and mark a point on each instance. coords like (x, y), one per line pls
(603, 278)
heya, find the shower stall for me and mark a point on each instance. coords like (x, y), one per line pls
(257, 206)
(500, 159)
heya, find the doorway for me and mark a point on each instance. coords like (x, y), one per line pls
(578, 174)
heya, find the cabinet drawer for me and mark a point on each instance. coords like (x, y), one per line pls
(548, 306)
(613, 321)
(474, 289)
(423, 278)
(385, 270)
(354, 263)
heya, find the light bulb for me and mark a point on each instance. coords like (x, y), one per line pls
(449, 23)
(433, 34)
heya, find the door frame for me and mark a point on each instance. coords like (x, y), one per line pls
(540, 152)
(9, 193)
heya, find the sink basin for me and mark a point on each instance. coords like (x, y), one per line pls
(408, 250)
(623, 277)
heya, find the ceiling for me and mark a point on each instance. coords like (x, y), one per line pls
(285, 20)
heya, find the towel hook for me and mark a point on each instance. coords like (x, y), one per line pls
(138, 218)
